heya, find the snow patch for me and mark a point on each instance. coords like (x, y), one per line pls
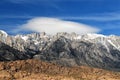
(25, 38)
(93, 36)
(4, 33)
(78, 37)
(113, 44)
(36, 43)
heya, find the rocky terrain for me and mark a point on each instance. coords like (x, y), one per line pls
(39, 70)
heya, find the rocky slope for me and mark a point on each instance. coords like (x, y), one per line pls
(39, 70)
(66, 49)
(73, 53)
(8, 53)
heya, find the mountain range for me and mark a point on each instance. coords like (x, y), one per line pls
(66, 49)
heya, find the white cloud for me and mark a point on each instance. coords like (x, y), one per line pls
(54, 25)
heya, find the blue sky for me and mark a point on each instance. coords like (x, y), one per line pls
(102, 14)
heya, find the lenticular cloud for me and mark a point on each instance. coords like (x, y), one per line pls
(54, 25)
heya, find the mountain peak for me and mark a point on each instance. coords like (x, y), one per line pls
(3, 33)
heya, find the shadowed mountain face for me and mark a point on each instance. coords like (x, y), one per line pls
(76, 53)
(64, 49)
(8, 53)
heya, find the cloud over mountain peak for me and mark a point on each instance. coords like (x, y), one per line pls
(54, 25)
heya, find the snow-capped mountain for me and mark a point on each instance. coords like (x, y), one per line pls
(34, 40)
(67, 49)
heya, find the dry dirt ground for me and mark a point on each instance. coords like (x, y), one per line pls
(39, 70)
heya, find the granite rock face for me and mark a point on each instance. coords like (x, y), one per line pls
(65, 49)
